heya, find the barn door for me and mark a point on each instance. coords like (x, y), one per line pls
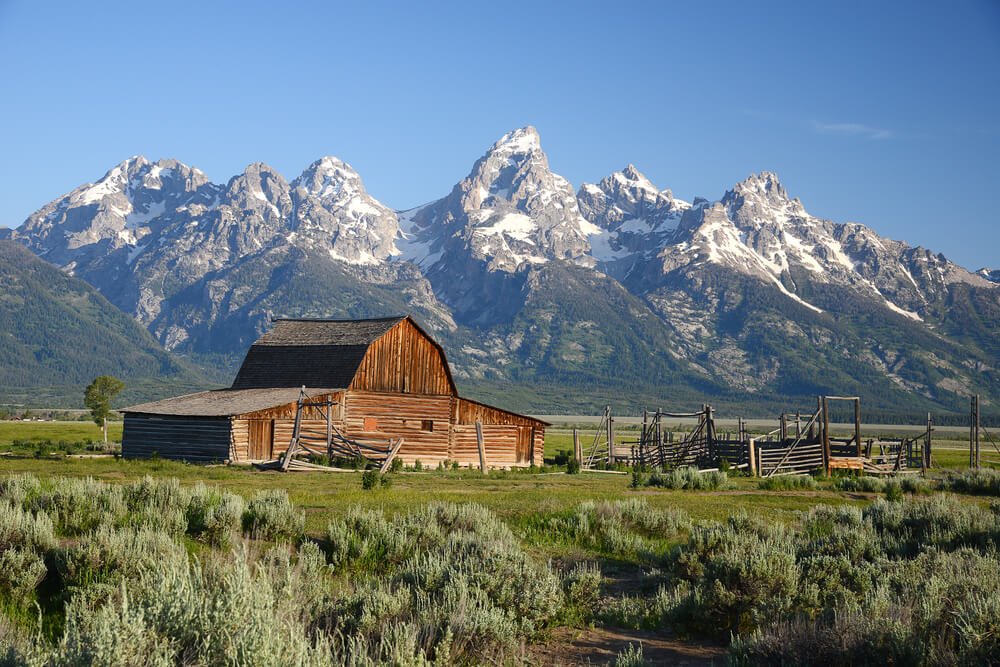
(261, 437)
(524, 444)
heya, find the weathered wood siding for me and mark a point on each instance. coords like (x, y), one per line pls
(176, 437)
(469, 412)
(240, 440)
(510, 439)
(284, 428)
(399, 414)
(403, 360)
(539, 445)
(500, 443)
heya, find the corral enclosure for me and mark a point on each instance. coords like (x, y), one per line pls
(382, 380)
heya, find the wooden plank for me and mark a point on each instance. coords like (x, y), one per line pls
(482, 447)
(392, 454)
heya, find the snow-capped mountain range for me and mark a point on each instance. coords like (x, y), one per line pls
(529, 280)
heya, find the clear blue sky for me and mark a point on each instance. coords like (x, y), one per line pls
(886, 113)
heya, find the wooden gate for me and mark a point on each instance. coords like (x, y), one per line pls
(261, 439)
(525, 440)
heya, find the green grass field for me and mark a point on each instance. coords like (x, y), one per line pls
(55, 431)
(513, 495)
(626, 532)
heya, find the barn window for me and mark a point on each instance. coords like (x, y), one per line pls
(371, 424)
(426, 425)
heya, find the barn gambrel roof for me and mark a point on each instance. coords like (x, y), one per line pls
(316, 352)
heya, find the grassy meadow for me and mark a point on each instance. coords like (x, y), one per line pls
(158, 562)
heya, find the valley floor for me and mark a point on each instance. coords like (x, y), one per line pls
(568, 521)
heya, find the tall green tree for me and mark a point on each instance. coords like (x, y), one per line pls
(98, 396)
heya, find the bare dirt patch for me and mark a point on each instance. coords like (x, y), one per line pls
(600, 645)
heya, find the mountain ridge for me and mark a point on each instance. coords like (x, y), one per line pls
(496, 266)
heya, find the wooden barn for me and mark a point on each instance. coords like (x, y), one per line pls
(379, 379)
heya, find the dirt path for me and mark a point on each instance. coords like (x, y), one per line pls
(600, 646)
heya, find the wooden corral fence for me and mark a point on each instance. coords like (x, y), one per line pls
(309, 438)
(813, 448)
(976, 434)
(802, 444)
(893, 455)
(656, 446)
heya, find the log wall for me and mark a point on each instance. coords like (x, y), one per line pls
(500, 443)
(283, 429)
(176, 437)
(398, 414)
(539, 453)
(240, 437)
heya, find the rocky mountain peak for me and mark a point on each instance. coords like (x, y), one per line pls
(510, 211)
(333, 208)
(115, 211)
(522, 141)
(329, 177)
(635, 215)
(765, 184)
(260, 189)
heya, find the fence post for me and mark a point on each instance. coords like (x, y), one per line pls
(752, 456)
(481, 445)
(857, 423)
(577, 449)
(611, 438)
(826, 436)
(927, 442)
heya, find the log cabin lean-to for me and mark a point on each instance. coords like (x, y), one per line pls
(386, 378)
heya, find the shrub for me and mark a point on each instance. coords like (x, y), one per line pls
(983, 481)
(25, 537)
(25, 529)
(369, 479)
(941, 608)
(914, 485)
(689, 478)
(788, 483)
(21, 570)
(182, 613)
(631, 656)
(372, 479)
(865, 484)
(563, 457)
(628, 529)
(443, 566)
(109, 555)
(907, 528)
(16, 489)
(582, 586)
(270, 515)
(893, 490)
(572, 466)
(742, 574)
(214, 516)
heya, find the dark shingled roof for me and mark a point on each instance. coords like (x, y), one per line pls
(327, 332)
(314, 353)
(223, 402)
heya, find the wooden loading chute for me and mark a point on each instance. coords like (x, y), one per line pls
(331, 442)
